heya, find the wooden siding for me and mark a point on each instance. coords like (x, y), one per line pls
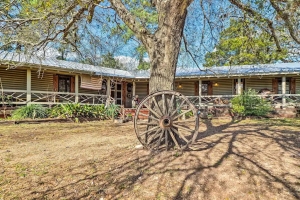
(297, 85)
(13, 79)
(141, 90)
(187, 89)
(224, 87)
(257, 83)
(41, 82)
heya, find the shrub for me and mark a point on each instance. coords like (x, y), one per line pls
(31, 111)
(249, 104)
(76, 110)
(112, 111)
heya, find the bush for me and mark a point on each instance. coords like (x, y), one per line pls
(31, 111)
(112, 111)
(249, 104)
(76, 110)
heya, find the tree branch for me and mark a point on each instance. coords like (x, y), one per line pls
(252, 12)
(133, 23)
(285, 16)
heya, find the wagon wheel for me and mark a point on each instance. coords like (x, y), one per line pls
(172, 121)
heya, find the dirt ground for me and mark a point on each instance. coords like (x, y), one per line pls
(247, 159)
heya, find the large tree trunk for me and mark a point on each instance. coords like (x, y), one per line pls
(164, 47)
(163, 52)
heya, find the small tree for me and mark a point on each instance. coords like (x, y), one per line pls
(250, 104)
(109, 61)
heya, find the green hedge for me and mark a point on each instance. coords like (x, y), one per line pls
(75, 110)
(249, 104)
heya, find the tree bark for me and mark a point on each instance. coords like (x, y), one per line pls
(163, 46)
(164, 49)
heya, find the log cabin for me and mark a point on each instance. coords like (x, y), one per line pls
(48, 81)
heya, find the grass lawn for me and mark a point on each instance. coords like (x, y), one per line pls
(249, 159)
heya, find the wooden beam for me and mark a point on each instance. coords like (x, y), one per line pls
(283, 89)
(200, 91)
(28, 87)
(108, 87)
(76, 88)
(239, 89)
(133, 89)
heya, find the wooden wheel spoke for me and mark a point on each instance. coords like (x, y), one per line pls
(184, 128)
(160, 138)
(156, 104)
(152, 137)
(173, 137)
(171, 104)
(147, 123)
(150, 109)
(166, 139)
(178, 107)
(183, 122)
(181, 114)
(164, 104)
(177, 132)
(150, 130)
(149, 116)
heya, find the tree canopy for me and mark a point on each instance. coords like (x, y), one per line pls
(242, 44)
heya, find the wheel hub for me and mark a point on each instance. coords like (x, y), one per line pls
(165, 122)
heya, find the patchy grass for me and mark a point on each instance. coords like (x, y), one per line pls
(249, 159)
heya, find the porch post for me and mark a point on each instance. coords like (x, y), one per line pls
(76, 89)
(28, 86)
(108, 88)
(283, 89)
(239, 89)
(133, 89)
(200, 92)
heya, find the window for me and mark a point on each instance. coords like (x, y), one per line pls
(287, 86)
(64, 84)
(103, 88)
(206, 88)
(290, 85)
(236, 85)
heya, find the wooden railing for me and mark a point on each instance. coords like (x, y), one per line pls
(19, 97)
(225, 100)
(16, 97)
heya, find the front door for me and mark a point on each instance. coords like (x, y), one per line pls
(116, 92)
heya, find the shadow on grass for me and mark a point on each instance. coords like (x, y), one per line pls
(243, 153)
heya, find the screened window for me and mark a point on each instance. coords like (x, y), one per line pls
(236, 85)
(287, 86)
(64, 84)
(204, 88)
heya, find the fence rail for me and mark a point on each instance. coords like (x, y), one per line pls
(19, 97)
(225, 100)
